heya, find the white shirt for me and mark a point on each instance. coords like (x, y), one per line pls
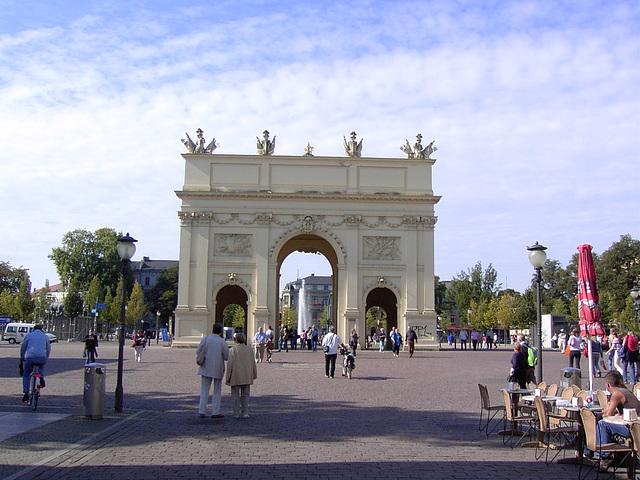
(332, 341)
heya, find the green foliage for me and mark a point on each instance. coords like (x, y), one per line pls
(375, 316)
(42, 302)
(290, 317)
(84, 255)
(473, 285)
(73, 300)
(233, 316)
(324, 318)
(8, 305)
(11, 278)
(24, 304)
(136, 308)
(95, 293)
(163, 297)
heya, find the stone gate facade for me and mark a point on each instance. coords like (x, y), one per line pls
(241, 215)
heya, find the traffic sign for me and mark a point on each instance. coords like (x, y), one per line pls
(101, 306)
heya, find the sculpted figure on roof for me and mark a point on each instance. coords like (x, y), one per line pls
(199, 147)
(266, 146)
(351, 147)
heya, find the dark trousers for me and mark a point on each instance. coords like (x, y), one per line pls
(574, 354)
(330, 364)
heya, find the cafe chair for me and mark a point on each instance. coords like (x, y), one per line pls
(562, 417)
(543, 386)
(516, 421)
(576, 389)
(636, 389)
(589, 423)
(557, 439)
(634, 429)
(603, 399)
(488, 412)
(552, 390)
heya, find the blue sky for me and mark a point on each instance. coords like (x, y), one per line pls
(534, 106)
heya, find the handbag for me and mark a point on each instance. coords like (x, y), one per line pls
(201, 356)
(567, 350)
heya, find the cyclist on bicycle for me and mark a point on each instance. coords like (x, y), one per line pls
(35, 349)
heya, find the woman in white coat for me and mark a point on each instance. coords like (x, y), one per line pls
(241, 372)
(212, 370)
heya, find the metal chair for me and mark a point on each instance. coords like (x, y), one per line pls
(590, 424)
(516, 420)
(556, 438)
(491, 411)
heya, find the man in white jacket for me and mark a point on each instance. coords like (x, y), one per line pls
(212, 370)
(330, 344)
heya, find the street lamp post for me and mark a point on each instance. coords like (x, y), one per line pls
(157, 327)
(126, 249)
(537, 257)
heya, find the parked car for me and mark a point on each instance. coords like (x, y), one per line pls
(52, 337)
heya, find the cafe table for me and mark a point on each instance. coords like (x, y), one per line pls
(515, 399)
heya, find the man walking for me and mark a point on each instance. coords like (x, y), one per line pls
(412, 338)
(260, 341)
(212, 370)
(330, 344)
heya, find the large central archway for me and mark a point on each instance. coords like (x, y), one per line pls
(372, 219)
(308, 243)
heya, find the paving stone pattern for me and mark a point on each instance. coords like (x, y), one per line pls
(397, 418)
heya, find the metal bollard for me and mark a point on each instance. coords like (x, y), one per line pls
(94, 389)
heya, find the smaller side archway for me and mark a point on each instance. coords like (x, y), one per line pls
(230, 295)
(386, 300)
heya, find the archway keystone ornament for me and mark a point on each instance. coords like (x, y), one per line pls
(242, 215)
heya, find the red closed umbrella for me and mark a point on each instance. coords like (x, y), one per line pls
(588, 306)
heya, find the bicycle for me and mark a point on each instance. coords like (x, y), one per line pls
(35, 381)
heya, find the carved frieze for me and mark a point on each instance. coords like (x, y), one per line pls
(233, 245)
(381, 248)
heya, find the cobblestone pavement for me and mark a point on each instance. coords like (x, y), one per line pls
(397, 418)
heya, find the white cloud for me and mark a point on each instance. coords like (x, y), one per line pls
(534, 111)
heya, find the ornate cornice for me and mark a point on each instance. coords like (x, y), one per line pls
(304, 223)
(330, 196)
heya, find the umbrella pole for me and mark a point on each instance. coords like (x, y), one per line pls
(590, 354)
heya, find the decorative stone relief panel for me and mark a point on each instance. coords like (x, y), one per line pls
(233, 245)
(381, 248)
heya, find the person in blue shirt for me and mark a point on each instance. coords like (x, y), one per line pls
(34, 350)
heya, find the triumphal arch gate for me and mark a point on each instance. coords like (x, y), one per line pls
(241, 215)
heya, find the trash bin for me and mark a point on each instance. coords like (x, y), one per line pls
(94, 388)
(570, 376)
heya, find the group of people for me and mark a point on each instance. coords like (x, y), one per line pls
(241, 371)
(475, 338)
(289, 338)
(615, 351)
(396, 340)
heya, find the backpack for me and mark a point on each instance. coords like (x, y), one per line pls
(532, 356)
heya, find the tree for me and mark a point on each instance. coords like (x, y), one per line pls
(84, 255)
(136, 308)
(618, 271)
(375, 316)
(42, 301)
(8, 305)
(24, 303)
(10, 278)
(324, 318)
(233, 316)
(163, 297)
(95, 293)
(73, 300)
(474, 284)
(290, 317)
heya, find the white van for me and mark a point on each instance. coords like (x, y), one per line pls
(15, 332)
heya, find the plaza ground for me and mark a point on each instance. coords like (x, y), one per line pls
(397, 418)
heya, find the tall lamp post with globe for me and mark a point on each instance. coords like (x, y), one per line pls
(126, 248)
(537, 257)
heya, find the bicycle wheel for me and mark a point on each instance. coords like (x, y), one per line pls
(33, 392)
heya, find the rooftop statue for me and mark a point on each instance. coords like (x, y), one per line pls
(308, 150)
(266, 146)
(418, 151)
(352, 148)
(199, 147)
